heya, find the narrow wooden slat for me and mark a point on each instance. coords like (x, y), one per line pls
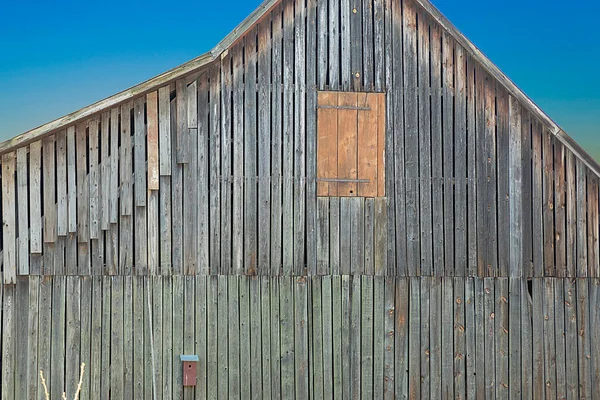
(447, 334)
(128, 340)
(323, 292)
(414, 339)
(94, 179)
(490, 333)
(44, 329)
(20, 325)
(548, 205)
(471, 169)
(164, 220)
(515, 347)
(57, 378)
(104, 171)
(379, 43)
(182, 131)
(200, 337)
(73, 334)
(549, 338)
(347, 144)
(537, 200)
(113, 180)
(559, 328)
(117, 336)
(437, 163)
(152, 138)
(357, 246)
(286, 317)
(460, 162)
(435, 347)
(527, 189)
(61, 183)
(593, 256)
(9, 210)
(189, 329)
(234, 337)
(265, 334)
(164, 129)
(95, 365)
(255, 314)
(594, 292)
(35, 201)
(571, 200)
(503, 168)
(389, 342)
(526, 340)
(176, 193)
(560, 233)
(168, 358)
(582, 250)
(154, 296)
(238, 163)
(9, 316)
(367, 145)
(571, 338)
(310, 145)
(301, 353)
(215, 171)
(213, 345)
(367, 336)
(379, 334)
(460, 370)
(401, 332)
(470, 339)
(23, 212)
(275, 339)
(327, 142)
(424, 126)
(539, 383)
(345, 309)
(126, 167)
(368, 226)
(448, 93)
(584, 338)
(178, 335)
(323, 229)
(201, 161)
(390, 146)
(245, 350)
(153, 212)
(515, 180)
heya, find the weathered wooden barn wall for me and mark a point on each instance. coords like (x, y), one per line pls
(185, 219)
(305, 337)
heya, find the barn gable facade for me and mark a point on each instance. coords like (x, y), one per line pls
(342, 199)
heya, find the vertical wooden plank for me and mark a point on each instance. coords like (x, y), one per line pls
(300, 291)
(356, 44)
(323, 229)
(9, 341)
(126, 195)
(245, 338)
(425, 144)
(200, 338)
(61, 183)
(447, 334)
(324, 384)
(139, 153)
(20, 325)
(113, 180)
(104, 171)
(515, 346)
(381, 139)
(71, 180)
(57, 378)
(117, 337)
(32, 335)
(188, 328)
(414, 339)
(176, 190)
(334, 235)
(322, 50)
(367, 336)
(593, 224)
(169, 359)
(379, 335)
(490, 190)
(390, 146)
(548, 205)
(226, 164)
(286, 315)
(584, 338)
(238, 162)
(357, 247)
(435, 347)
(490, 330)
(539, 383)
(379, 43)
(515, 181)
(201, 196)
(367, 44)
(380, 237)
(177, 339)
(310, 142)
(448, 153)
(537, 200)
(470, 339)
(215, 171)
(276, 141)
(582, 250)
(299, 187)
(214, 346)
(164, 129)
(346, 323)
(527, 188)
(594, 292)
(367, 145)
(94, 179)
(571, 338)
(94, 370)
(526, 340)
(437, 161)
(182, 132)
(502, 349)
(337, 339)
(327, 144)
(264, 332)
(73, 334)
(401, 345)
(549, 338)
(35, 200)
(560, 233)
(559, 328)
(128, 338)
(368, 225)
(347, 144)
(250, 155)
(471, 168)
(460, 351)
(138, 353)
(571, 189)
(155, 308)
(153, 212)
(49, 169)
(9, 210)
(44, 326)
(504, 140)
(275, 339)
(234, 337)
(389, 341)
(411, 138)
(460, 161)
(152, 140)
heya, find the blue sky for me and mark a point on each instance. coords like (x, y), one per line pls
(56, 57)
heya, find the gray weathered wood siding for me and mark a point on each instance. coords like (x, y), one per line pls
(303, 337)
(215, 173)
(185, 220)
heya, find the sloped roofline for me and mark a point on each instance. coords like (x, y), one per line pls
(223, 46)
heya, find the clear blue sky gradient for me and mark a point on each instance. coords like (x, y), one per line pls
(57, 57)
